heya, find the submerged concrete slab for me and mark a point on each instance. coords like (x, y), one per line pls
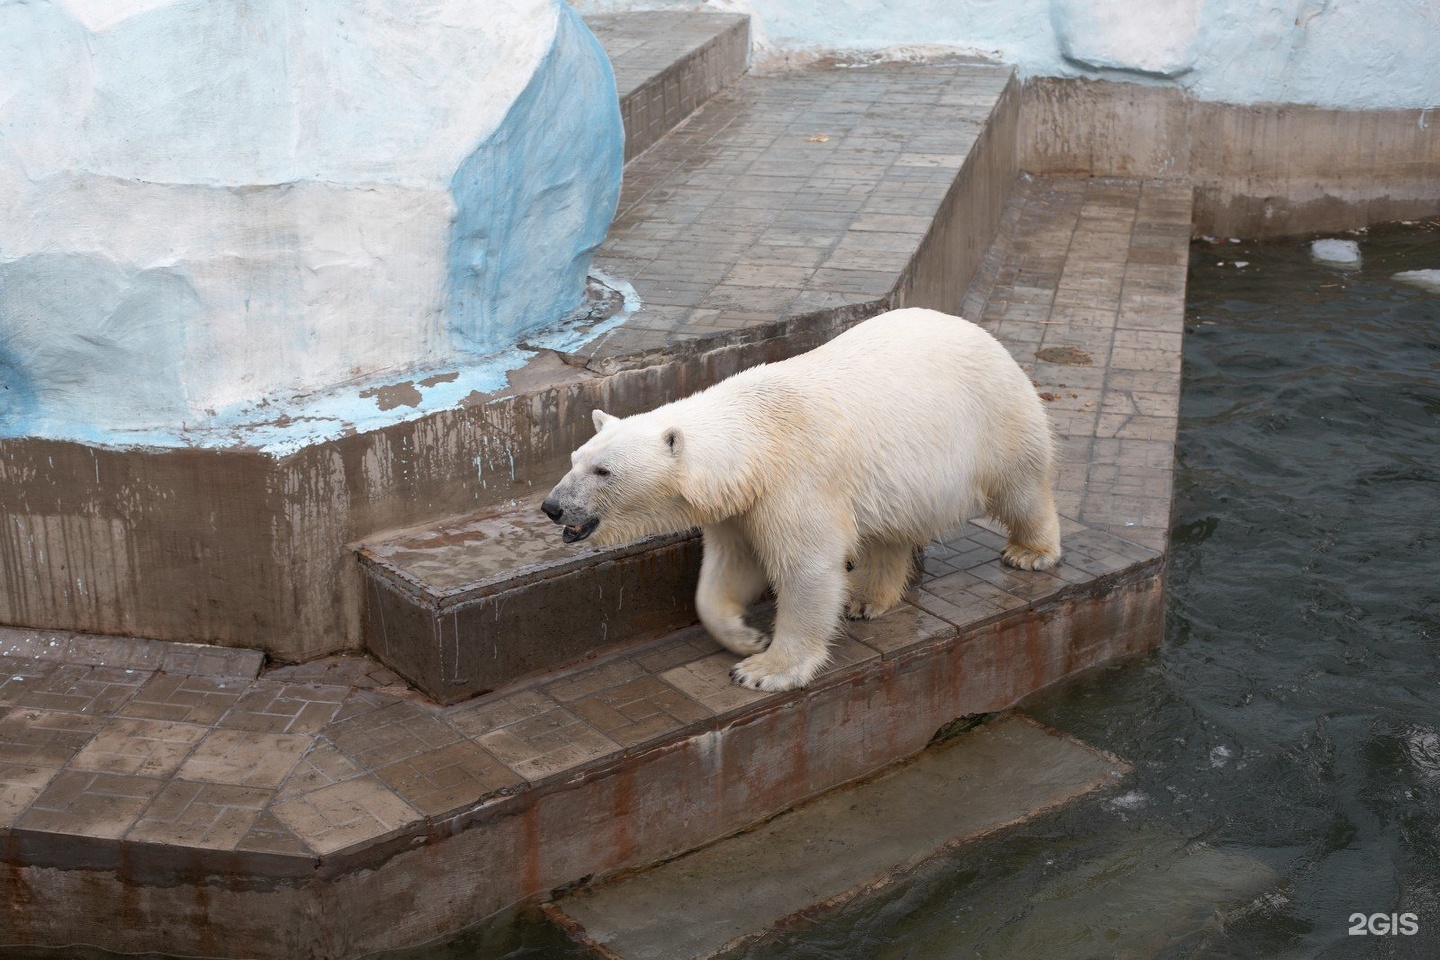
(842, 844)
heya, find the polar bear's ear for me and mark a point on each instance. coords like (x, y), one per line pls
(600, 418)
(674, 440)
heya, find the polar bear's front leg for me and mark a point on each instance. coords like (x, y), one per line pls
(808, 598)
(730, 580)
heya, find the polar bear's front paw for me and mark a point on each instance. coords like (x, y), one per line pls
(745, 641)
(1024, 558)
(771, 673)
(865, 609)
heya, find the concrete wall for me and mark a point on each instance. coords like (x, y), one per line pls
(1352, 54)
(211, 209)
(1259, 170)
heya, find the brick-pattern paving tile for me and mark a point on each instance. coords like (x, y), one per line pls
(18, 675)
(184, 698)
(346, 670)
(707, 681)
(20, 784)
(244, 758)
(83, 689)
(301, 708)
(269, 834)
(587, 682)
(322, 765)
(47, 738)
(391, 734)
(345, 814)
(102, 805)
(452, 777)
(904, 628)
(683, 646)
(666, 64)
(533, 735)
(207, 815)
(963, 599)
(637, 711)
(147, 748)
(828, 184)
(1086, 285)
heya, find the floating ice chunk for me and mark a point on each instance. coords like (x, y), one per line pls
(1427, 280)
(1341, 252)
(1219, 756)
(1133, 800)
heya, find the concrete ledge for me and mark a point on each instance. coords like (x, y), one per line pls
(1258, 171)
(130, 653)
(462, 608)
(726, 756)
(667, 64)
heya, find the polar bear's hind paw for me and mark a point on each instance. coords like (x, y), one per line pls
(1024, 558)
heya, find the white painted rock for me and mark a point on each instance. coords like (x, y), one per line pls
(213, 204)
(1157, 39)
(1427, 280)
(1341, 252)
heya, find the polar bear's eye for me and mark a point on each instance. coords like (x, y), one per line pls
(601, 472)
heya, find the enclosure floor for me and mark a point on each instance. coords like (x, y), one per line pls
(1085, 285)
(127, 760)
(789, 194)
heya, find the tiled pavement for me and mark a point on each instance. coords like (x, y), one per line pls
(790, 194)
(310, 761)
(169, 748)
(1085, 284)
(698, 55)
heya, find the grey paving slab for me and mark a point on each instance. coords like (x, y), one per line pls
(1085, 283)
(812, 189)
(857, 839)
(667, 63)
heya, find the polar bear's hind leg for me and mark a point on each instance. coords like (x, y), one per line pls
(1028, 512)
(879, 578)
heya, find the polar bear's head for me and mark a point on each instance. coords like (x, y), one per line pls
(626, 482)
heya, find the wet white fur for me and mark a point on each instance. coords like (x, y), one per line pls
(894, 432)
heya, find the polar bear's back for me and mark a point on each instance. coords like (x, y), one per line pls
(927, 415)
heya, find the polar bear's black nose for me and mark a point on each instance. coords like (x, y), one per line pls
(552, 509)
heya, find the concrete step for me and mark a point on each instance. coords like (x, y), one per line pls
(667, 63)
(473, 604)
(847, 843)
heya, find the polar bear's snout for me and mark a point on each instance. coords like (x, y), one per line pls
(576, 526)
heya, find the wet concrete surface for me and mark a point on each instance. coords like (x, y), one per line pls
(838, 847)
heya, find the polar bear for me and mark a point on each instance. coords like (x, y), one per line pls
(849, 456)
